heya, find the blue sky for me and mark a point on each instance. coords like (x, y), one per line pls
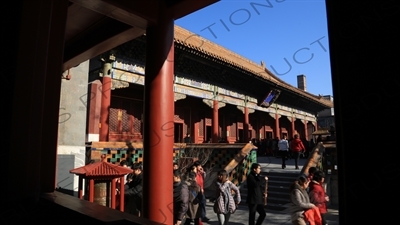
(290, 36)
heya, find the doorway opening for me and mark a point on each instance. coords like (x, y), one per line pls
(178, 132)
(208, 134)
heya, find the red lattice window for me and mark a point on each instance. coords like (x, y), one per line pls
(126, 123)
(137, 125)
(113, 120)
(137, 120)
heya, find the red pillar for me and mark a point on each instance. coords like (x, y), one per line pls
(105, 98)
(246, 125)
(113, 192)
(80, 187)
(158, 135)
(195, 135)
(293, 130)
(277, 134)
(122, 195)
(215, 122)
(306, 130)
(94, 106)
(91, 190)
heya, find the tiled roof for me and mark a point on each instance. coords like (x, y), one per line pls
(101, 169)
(194, 41)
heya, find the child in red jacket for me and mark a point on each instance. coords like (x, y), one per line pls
(317, 194)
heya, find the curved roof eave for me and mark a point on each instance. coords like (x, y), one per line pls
(206, 47)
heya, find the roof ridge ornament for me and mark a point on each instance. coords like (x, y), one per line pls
(263, 64)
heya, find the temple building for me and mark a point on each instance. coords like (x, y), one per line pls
(49, 119)
(207, 77)
(217, 96)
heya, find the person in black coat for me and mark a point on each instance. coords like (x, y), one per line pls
(255, 194)
(133, 190)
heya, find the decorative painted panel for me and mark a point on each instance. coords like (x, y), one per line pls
(193, 92)
(129, 67)
(230, 93)
(127, 76)
(194, 83)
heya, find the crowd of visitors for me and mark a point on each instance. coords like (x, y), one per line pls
(307, 195)
(308, 199)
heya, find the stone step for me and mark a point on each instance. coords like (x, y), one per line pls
(278, 189)
(270, 206)
(281, 178)
(279, 194)
(271, 189)
(273, 183)
(272, 203)
(275, 207)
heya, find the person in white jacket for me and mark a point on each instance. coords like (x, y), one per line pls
(283, 149)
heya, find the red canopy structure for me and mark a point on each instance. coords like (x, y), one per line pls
(104, 172)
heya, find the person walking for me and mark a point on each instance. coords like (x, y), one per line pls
(200, 176)
(225, 204)
(297, 146)
(300, 201)
(133, 190)
(181, 198)
(318, 195)
(255, 194)
(283, 147)
(193, 213)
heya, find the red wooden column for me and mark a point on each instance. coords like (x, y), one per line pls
(196, 131)
(80, 187)
(91, 190)
(94, 105)
(277, 132)
(113, 192)
(105, 97)
(306, 130)
(246, 125)
(159, 120)
(293, 129)
(215, 122)
(121, 195)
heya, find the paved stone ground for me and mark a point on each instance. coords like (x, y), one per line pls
(240, 217)
(273, 217)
